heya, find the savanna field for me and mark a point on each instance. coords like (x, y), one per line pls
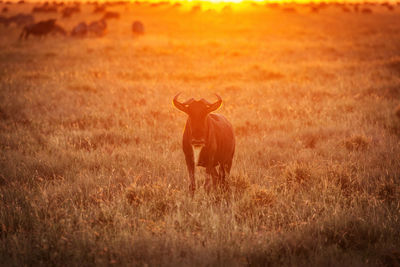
(92, 171)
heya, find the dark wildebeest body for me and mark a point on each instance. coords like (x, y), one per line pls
(80, 30)
(98, 28)
(211, 135)
(69, 11)
(137, 27)
(22, 19)
(99, 9)
(111, 15)
(57, 29)
(39, 29)
(4, 20)
(44, 9)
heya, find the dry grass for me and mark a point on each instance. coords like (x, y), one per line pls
(91, 167)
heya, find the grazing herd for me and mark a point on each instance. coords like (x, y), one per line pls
(42, 28)
(99, 28)
(96, 28)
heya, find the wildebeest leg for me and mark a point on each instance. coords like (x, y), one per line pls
(190, 167)
(214, 175)
(22, 34)
(225, 169)
(207, 182)
(222, 175)
(228, 166)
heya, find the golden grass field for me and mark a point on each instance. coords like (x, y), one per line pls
(91, 166)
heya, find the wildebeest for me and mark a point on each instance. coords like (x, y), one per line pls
(208, 140)
(137, 27)
(39, 29)
(68, 11)
(57, 29)
(80, 30)
(111, 15)
(366, 10)
(44, 9)
(289, 10)
(22, 19)
(4, 20)
(98, 28)
(346, 9)
(99, 9)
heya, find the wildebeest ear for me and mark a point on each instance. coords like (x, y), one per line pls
(214, 106)
(179, 105)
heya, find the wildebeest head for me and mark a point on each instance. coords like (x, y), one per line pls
(197, 111)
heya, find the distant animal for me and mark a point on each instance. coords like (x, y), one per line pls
(22, 19)
(98, 28)
(69, 11)
(346, 9)
(5, 21)
(137, 27)
(42, 28)
(39, 29)
(289, 10)
(366, 10)
(99, 9)
(111, 15)
(44, 9)
(57, 29)
(397, 111)
(195, 9)
(80, 30)
(390, 7)
(208, 140)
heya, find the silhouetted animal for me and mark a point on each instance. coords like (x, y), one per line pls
(366, 10)
(397, 111)
(208, 140)
(22, 19)
(98, 28)
(345, 9)
(80, 30)
(289, 10)
(39, 29)
(57, 29)
(5, 21)
(44, 9)
(137, 27)
(99, 9)
(69, 11)
(111, 15)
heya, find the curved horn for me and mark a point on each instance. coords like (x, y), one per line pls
(214, 106)
(189, 102)
(178, 104)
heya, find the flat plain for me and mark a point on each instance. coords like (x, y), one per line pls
(91, 166)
